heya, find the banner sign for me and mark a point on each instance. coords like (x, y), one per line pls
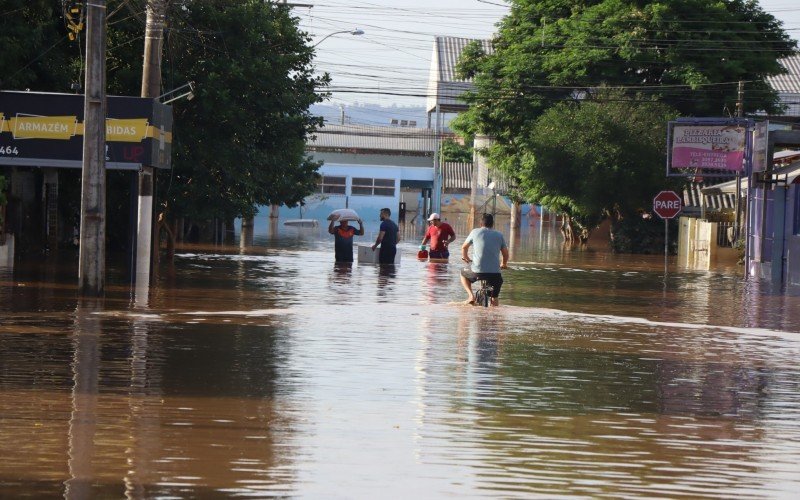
(706, 147)
(760, 143)
(46, 130)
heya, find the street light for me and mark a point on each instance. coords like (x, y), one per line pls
(188, 95)
(355, 32)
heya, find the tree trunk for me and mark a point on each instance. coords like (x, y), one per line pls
(246, 236)
(516, 214)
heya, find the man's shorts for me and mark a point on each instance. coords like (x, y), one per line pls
(441, 254)
(493, 279)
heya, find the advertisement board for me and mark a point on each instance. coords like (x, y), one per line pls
(708, 147)
(760, 143)
(46, 130)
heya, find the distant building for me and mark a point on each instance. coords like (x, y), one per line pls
(788, 86)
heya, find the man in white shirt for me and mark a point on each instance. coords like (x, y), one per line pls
(485, 263)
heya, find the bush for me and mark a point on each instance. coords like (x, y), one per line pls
(642, 235)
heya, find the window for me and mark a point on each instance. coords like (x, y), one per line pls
(363, 186)
(333, 185)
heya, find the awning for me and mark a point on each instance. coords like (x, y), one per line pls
(789, 172)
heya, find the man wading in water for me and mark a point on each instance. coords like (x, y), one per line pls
(343, 236)
(486, 264)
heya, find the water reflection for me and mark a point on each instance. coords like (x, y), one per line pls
(85, 391)
(272, 372)
(386, 275)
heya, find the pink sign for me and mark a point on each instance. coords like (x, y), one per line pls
(718, 147)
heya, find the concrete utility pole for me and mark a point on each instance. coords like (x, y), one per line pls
(92, 257)
(151, 87)
(738, 198)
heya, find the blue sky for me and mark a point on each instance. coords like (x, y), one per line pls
(393, 55)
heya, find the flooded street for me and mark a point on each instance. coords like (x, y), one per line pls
(276, 373)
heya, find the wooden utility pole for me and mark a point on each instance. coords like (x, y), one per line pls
(92, 257)
(151, 87)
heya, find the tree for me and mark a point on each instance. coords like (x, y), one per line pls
(455, 152)
(601, 157)
(36, 52)
(240, 143)
(688, 54)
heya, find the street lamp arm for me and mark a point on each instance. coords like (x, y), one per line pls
(352, 32)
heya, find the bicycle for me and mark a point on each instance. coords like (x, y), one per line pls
(483, 295)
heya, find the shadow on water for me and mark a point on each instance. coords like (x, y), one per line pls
(275, 372)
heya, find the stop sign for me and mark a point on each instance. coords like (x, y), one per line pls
(667, 204)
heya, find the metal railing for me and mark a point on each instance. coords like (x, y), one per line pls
(725, 234)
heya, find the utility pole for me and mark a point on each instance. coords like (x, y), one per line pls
(151, 87)
(738, 204)
(92, 256)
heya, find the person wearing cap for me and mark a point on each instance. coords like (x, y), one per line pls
(440, 234)
(486, 262)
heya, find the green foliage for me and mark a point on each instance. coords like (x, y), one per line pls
(36, 53)
(636, 234)
(603, 155)
(455, 152)
(570, 92)
(241, 141)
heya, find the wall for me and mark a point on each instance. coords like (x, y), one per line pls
(697, 245)
(318, 206)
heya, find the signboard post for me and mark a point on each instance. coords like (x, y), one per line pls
(666, 204)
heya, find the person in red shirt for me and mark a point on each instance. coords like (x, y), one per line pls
(440, 234)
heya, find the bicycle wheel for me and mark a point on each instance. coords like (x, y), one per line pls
(481, 297)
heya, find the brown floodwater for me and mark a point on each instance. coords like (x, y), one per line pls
(273, 372)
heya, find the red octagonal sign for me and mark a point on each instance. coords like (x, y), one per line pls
(667, 204)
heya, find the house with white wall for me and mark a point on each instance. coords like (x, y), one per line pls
(366, 168)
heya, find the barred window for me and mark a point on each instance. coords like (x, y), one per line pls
(332, 185)
(364, 186)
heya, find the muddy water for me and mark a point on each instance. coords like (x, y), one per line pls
(276, 373)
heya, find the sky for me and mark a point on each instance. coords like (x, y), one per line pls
(394, 53)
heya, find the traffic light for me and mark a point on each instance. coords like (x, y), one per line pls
(73, 16)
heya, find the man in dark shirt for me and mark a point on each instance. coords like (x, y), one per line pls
(343, 237)
(388, 237)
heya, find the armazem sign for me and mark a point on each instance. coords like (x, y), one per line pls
(708, 146)
(46, 130)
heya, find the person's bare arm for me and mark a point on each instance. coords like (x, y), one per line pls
(504, 262)
(378, 241)
(330, 228)
(360, 227)
(451, 238)
(465, 251)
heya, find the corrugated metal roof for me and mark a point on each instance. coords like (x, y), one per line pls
(374, 138)
(790, 82)
(448, 50)
(444, 87)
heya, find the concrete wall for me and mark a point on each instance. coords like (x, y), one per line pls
(697, 245)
